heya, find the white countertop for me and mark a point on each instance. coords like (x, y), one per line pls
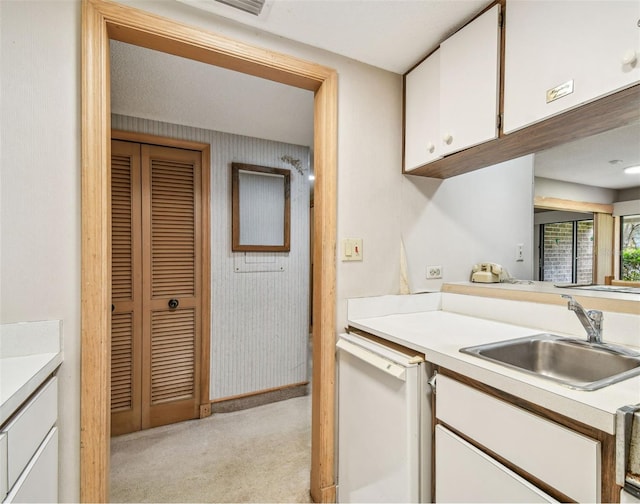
(439, 335)
(29, 353)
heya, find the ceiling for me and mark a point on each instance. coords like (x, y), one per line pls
(597, 161)
(155, 85)
(390, 34)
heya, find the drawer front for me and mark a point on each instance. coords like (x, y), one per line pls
(26, 431)
(4, 486)
(484, 480)
(39, 481)
(565, 460)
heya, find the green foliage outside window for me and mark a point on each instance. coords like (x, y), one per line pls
(630, 248)
(631, 264)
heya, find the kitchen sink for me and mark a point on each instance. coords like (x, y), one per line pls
(572, 362)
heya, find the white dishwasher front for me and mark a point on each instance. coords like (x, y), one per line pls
(384, 423)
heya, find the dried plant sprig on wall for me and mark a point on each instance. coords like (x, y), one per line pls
(296, 163)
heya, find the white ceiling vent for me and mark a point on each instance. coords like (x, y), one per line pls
(234, 9)
(251, 6)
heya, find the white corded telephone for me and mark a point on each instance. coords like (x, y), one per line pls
(489, 273)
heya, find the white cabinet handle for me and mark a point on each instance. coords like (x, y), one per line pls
(630, 57)
(373, 359)
(431, 147)
(448, 139)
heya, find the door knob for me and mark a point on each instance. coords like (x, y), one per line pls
(448, 139)
(173, 303)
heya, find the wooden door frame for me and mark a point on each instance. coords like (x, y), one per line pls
(103, 20)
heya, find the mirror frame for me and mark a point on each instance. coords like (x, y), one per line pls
(237, 209)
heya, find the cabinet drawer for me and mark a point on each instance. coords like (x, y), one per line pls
(484, 480)
(29, 427)
(3, 466)
(565, 460)
(39, 481)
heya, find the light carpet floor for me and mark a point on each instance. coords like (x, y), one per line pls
(261, 454)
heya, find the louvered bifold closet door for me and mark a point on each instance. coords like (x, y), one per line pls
(172, 287)
(126, 287)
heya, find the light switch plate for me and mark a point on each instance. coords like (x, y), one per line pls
(352, 249)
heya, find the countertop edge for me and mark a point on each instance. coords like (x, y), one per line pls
(506, 381)
(10, 405)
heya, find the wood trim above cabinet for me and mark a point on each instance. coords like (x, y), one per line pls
(606, 113)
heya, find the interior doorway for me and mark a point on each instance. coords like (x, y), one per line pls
(104, 20)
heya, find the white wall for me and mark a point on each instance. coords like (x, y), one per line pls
(475, 217)
(631, 207)
(550, 188)
(40, 191)
(630, 194)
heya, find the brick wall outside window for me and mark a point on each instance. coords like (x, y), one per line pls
(558, 250)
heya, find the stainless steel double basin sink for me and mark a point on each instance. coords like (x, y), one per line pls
(574, 363)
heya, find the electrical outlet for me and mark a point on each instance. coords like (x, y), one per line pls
(520, 252)
(434, 272)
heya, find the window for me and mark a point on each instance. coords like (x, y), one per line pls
(566, 251)
(630, 247)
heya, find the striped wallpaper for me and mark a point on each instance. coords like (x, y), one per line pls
(260, 302)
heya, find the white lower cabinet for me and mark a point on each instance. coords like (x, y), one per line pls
(4, 486)
(556, 456)
(29, 442)
(39, 481)
(466, 474)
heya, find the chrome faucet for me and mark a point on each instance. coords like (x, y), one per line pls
(591, 320)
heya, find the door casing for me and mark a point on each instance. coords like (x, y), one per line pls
(101, 21)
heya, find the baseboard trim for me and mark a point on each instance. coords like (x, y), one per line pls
(259, 398)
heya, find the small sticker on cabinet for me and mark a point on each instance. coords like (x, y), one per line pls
(560, 91)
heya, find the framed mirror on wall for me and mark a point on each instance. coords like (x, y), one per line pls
(261, 208)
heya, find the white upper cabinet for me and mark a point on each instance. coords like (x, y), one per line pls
(422, 113)
(559, 55)
(451, 98)
(469, 76)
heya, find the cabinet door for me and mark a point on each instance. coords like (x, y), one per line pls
(422, 114)
(4, 486)
(469, 75)
(39, 481)
(466, 474)
(550, 452)
(582, 43)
